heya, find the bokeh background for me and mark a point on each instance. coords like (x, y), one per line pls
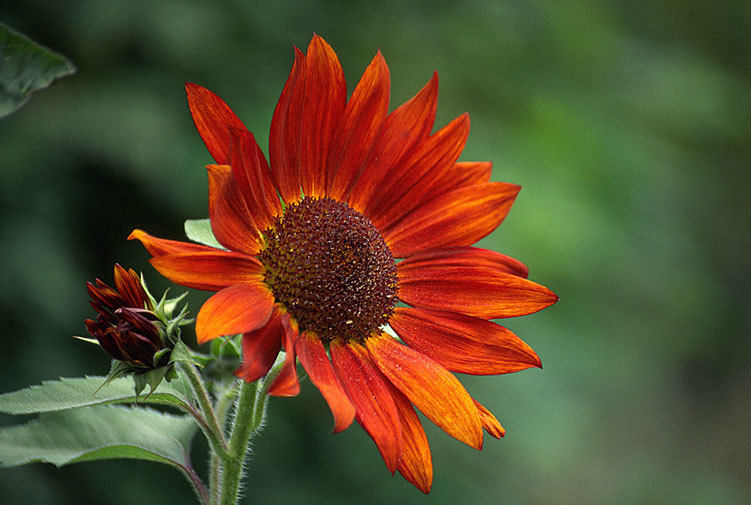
(628, 124)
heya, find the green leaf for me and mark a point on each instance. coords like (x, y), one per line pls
(82, 392)
(25, 67)
(101, 432)
(199, 230)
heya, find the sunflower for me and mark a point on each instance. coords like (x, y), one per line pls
(311, 243)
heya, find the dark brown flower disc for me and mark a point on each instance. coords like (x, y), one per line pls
(332, 270)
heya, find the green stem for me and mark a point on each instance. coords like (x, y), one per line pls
(249, 413)
(223, 404)
(213, 431)
(242, 429)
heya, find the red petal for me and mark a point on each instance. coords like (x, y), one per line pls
(358, 129)
(462, 343)
(159, 246)
(128, 284)
(286, 383)
(231, 221)
(404, 128)
(260, 349)
(284, 138)
(370, 394)
(211, 271)
(458, 218)
(432, 388)
(463, 173)
(313, 357)
(489, 422)
(213, 118)
(420, 173)
(416, 464)
(237, 309)
(253, 177)
(322, 109)
(471, 290)
(452, 257)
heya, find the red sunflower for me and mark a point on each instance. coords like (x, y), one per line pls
(312, 241)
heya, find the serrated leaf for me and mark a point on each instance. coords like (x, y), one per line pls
(82, 392)
(199, 230)
(100, 432)
(26, 67)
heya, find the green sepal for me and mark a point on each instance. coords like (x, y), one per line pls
(26, 67)
(199, 230)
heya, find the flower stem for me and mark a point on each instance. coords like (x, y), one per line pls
(212, 429)
(249, 414)
(242, 430)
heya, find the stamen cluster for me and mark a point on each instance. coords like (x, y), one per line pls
(331, 269)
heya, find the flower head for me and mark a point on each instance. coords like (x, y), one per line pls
(126, 324)
(317, 273)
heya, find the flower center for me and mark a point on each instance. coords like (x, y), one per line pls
(331, 269)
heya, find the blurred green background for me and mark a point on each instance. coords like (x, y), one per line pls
(628, 124)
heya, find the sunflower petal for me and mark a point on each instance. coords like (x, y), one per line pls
(260, 349)
(241, 308)
(463, 173)
(420, 173)
(213, 118)
(253, 177)
(322, 109)
(404, 129)
(489, 422)
(284, 137)
(369, 393)
(313, 358)
(475, 257)
(358, 129)
(457, 218)
(470, 290)
(286, 383)
(462, 343)
(433, 389)
(160, 246)
(210, 271)
(416, 464)
(231, 221)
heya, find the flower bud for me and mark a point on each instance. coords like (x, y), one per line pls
(127, 326)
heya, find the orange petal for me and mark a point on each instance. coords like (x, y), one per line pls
(462, 343)
(284, 137)
(458, 218)
(416, 464)
(463, 173)
(475, 291)
(451, 257)
(159, 246)
(469, 173)
(231, 221)
(237, 309)
(432, 388)
(322, 109)
(213, 118)
(404, 129)
(253, 177)
(286, 383)
(489, 422)
(260, 349)
(211, 271)
(420, 172)
(369, 393)
(358, 129)
(313, 357)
